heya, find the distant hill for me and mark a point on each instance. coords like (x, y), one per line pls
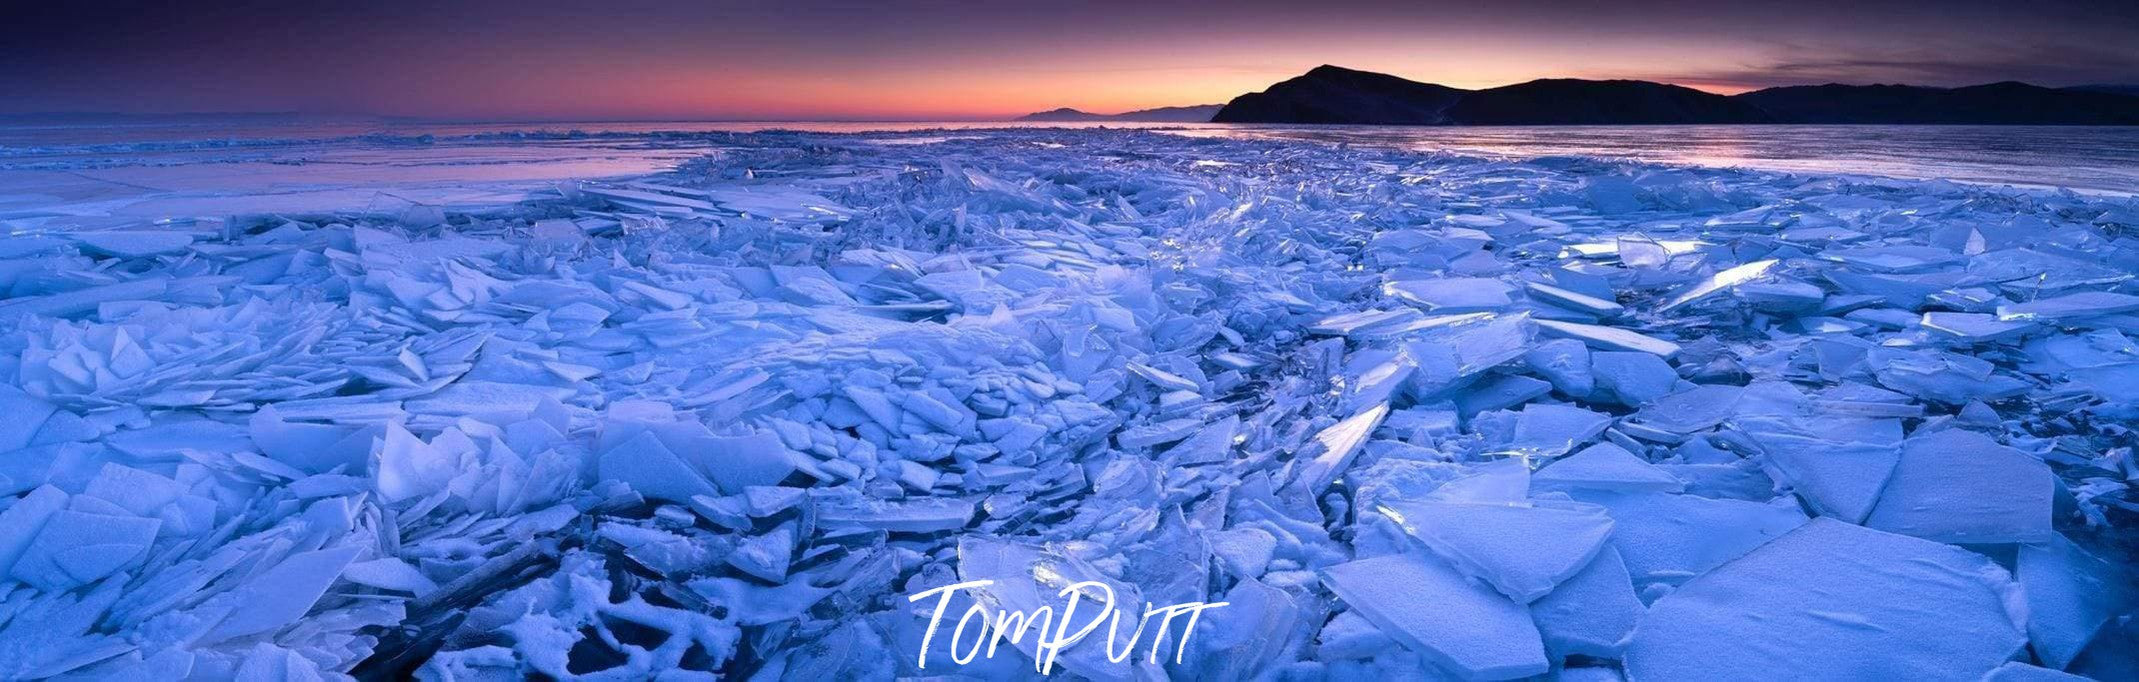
(2131, 89)
(1996, 103)
(1200, 113)
(1568, 101)
(1329, 94)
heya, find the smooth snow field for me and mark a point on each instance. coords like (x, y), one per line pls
(1089, 403)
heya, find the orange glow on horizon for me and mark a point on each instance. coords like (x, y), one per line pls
(972, 83)
(799, 59)
(894, 96)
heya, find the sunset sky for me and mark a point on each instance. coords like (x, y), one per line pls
(798, 59)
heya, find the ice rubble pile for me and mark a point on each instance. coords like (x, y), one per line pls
(1410, 415)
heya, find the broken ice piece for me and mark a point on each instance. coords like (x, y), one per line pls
(1025, 579)
(1718, 282)
(2082, 304)
(1605, 466)
(1364, 322)
(736, 463)
(1161, 433)
(653, 470)
(1691, 410)
(1572, 300)
(1463, 627)
(1450, 295)
(1522, 551)
(1833, 601)
(1838, 478)
(1893, 258)
(389, 573)
(1244, 551)
(766, 556)
(1974, 327)
(138, 492)
(923, 515)
(1566, 363)
(1669, 538)
(1552, 430)
(1948, 378)
(312, 448)
(1636, 379)
(281, 595)
(133, 243)
(487, 398)
(76, 548)
(2016, 671)
(1781, 295)
(2070, 596)
(1478, 342)
(562, 230)
(1379, 383)
(20, 521)
(1609, 338)
(1339, 443)
(1163, 379)
(1502, 481)
(1962, 487)
(1592, 613)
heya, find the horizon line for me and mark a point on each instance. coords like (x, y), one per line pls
(1005, 118)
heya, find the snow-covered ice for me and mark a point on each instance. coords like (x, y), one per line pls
(1408, 415)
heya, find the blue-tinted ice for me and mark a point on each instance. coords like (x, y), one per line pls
(1408, 415)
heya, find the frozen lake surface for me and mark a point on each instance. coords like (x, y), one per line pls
(158, 169)
(729, 404)
(2081, 157)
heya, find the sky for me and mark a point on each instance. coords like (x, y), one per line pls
(893, 60)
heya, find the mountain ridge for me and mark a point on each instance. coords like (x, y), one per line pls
(1362, 97)
(1199, 113)
(1330, 94)
(2000, 103)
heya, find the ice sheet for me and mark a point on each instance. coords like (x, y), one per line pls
(1411, 415)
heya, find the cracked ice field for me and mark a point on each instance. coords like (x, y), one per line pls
(1407, 414)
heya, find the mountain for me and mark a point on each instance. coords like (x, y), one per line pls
(1330, 94)
(1568, 101)
(2130, 89)
(1995, 103)
(1200, 113)
(1063, 114)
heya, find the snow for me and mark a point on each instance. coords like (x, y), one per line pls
(1411, 415)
